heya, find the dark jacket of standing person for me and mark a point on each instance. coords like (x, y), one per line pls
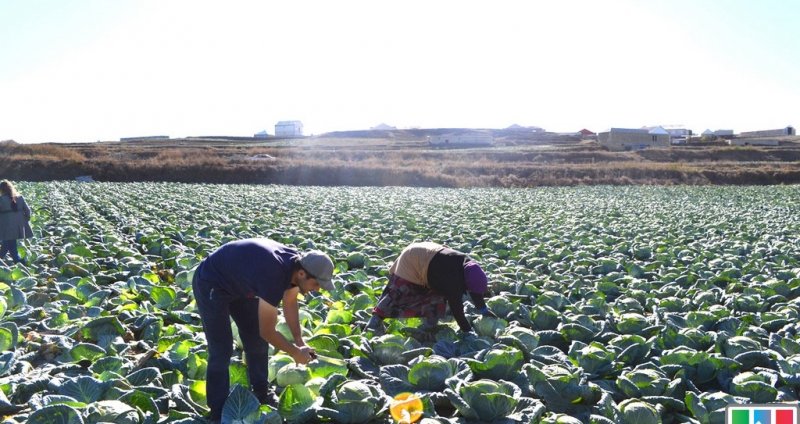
(15, 218)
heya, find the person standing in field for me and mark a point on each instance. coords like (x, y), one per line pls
(424, 280)
(15, 218)
(247, 280)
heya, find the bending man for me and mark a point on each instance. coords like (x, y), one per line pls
(247, 280)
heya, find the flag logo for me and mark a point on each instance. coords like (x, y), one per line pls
(762, 414)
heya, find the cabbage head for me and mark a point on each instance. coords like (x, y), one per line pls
(524, 337)
(485, 400)
(739, 344)
(635, 411)
(392, 349)
(293, 374)
(632, 348)
(560, 419)
(593, 358)
(710, 406)
(430, 373)
(489, 326)
(498, 364)
(759, 388)
(502, 306)
(552, 299)
(631, 323)
(315, 384)
(701, 319)
(276, 362)
(643, 382)
(695, 338)
(562, 387)
(700, 367)
(544, 317)
(353, 391)
(351, 401)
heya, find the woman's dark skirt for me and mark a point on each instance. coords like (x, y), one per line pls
(404, 299)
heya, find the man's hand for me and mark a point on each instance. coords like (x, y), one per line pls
(303, 355)
(267, 318)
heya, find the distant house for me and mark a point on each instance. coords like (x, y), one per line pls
(679, 135)
(475, 138)
(724, 134)
(586, 134)
(679, 132)
(261, 134)
(769, 133)
(289, 129)
(676, 135)
(633, 138)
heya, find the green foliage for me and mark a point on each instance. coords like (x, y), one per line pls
(609, 302)
(112, 411)
(241, 407)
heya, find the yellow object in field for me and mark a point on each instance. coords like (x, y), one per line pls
(406, 408)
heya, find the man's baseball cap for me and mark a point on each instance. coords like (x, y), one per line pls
(319, 266)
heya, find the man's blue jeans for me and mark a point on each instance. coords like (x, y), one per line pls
(216, 309)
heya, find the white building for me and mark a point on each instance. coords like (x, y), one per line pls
(679, 132)
(769, 133)
(674, 132)
(289, 129)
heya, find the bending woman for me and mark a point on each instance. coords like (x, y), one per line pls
(424, 280)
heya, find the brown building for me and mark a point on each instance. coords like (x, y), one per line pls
(633, 139)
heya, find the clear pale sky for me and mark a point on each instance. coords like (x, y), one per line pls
(88, 70)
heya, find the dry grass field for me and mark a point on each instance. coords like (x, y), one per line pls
(401, 158)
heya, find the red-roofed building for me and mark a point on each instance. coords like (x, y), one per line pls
(586, 134)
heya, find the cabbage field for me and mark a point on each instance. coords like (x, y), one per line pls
(614, 304)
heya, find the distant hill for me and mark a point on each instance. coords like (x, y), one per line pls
(402, 158)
